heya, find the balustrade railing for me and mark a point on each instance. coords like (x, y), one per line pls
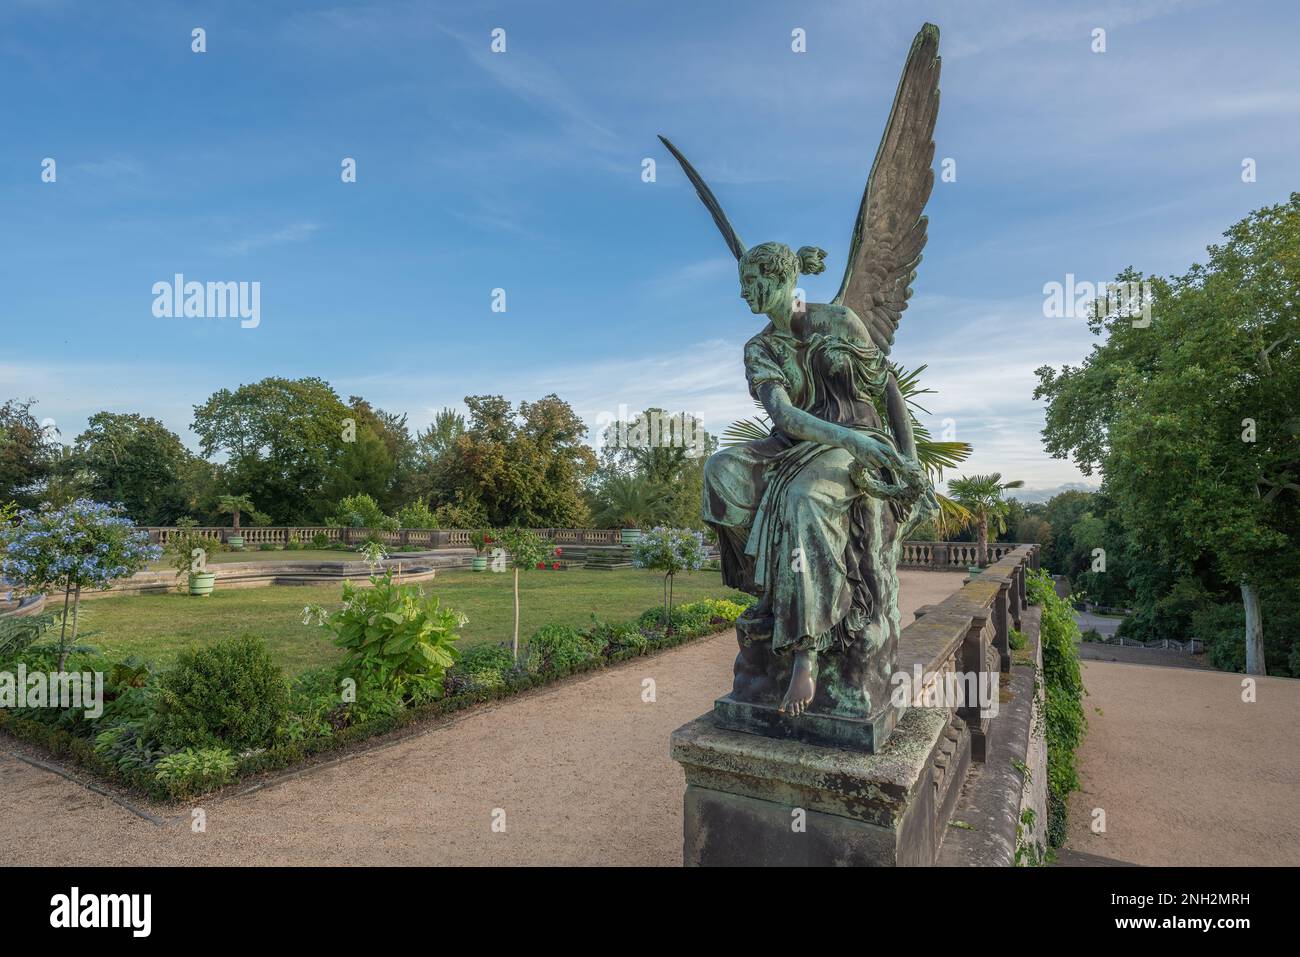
(943, 556)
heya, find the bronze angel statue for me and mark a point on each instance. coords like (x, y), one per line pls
(811, 518)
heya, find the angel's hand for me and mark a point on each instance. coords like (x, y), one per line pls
(872, 453)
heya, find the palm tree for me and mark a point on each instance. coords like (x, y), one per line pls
(933, 456)
(233, 505)
(981, 496)
(629, 501)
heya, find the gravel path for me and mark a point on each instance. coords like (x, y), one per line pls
(580, 770)
(1187, 773)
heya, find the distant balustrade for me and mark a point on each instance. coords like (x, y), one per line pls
(942, 556)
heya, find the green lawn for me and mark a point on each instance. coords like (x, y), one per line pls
(156, 627)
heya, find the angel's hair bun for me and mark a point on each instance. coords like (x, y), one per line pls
(811, 260)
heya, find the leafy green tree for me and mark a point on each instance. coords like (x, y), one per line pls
(283, 439)
(524, 549)
(364, 466)
(28, 453)
(663, 454)
(136, 461)
(523, 467)
(1063, 510)
(671, 551)
(389, 474)
(981, 496)
(1192, 418)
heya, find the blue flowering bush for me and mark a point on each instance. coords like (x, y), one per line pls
(83, 544)
(671, 551)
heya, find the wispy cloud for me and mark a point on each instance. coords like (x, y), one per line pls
(295, 233)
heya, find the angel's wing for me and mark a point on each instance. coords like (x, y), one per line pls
(890, 232)
(710, 201)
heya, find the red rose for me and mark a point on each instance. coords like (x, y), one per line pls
(556, 566)
(559, 552)
(541, 564)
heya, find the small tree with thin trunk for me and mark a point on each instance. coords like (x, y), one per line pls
(83, 544)
(523, 549)
(669, 550)
(981, 495)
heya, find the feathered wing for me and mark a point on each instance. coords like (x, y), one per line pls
(890, 231)
(710, 201)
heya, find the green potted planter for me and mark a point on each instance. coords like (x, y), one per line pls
(629, 536)
(202, 583)
(236, 542)
(480, 538)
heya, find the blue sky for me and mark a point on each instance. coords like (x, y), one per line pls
(522, 171)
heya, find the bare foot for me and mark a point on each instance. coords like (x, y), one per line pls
(803, 684)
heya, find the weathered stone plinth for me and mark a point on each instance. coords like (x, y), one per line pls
(882, 809)
(867, 734)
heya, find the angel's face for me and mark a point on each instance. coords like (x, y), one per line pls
(764, 294)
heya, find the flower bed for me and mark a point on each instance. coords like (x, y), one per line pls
(225, 713)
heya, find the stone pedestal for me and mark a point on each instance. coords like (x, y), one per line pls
(837, 731)
(745, 792)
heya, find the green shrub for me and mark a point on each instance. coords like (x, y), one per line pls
(191, 772)
(129, 746)
(720, 607)
(1063, 689)
(486, 656)
(229, 694)
(620, 638)
(320, 540)
(1016, 639)
(692, 620)
(1092, 635)
(361, 511)
(395, 637)
(416, 515)
(559, 648)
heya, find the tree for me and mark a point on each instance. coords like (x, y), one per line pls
(136, 461)
(631, 501)
(669, 550)
(233, 505)
(663, 454)
(283, 438)
(981, 496)
(524, 467)
(28, 452)
(1191, 418)
(526, 550)
(84, 544)
(384, 459)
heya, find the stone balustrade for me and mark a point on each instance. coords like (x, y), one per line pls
(940, 556)
(951, 555)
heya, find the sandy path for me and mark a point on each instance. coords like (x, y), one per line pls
(1186, 772)
(581, 771)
